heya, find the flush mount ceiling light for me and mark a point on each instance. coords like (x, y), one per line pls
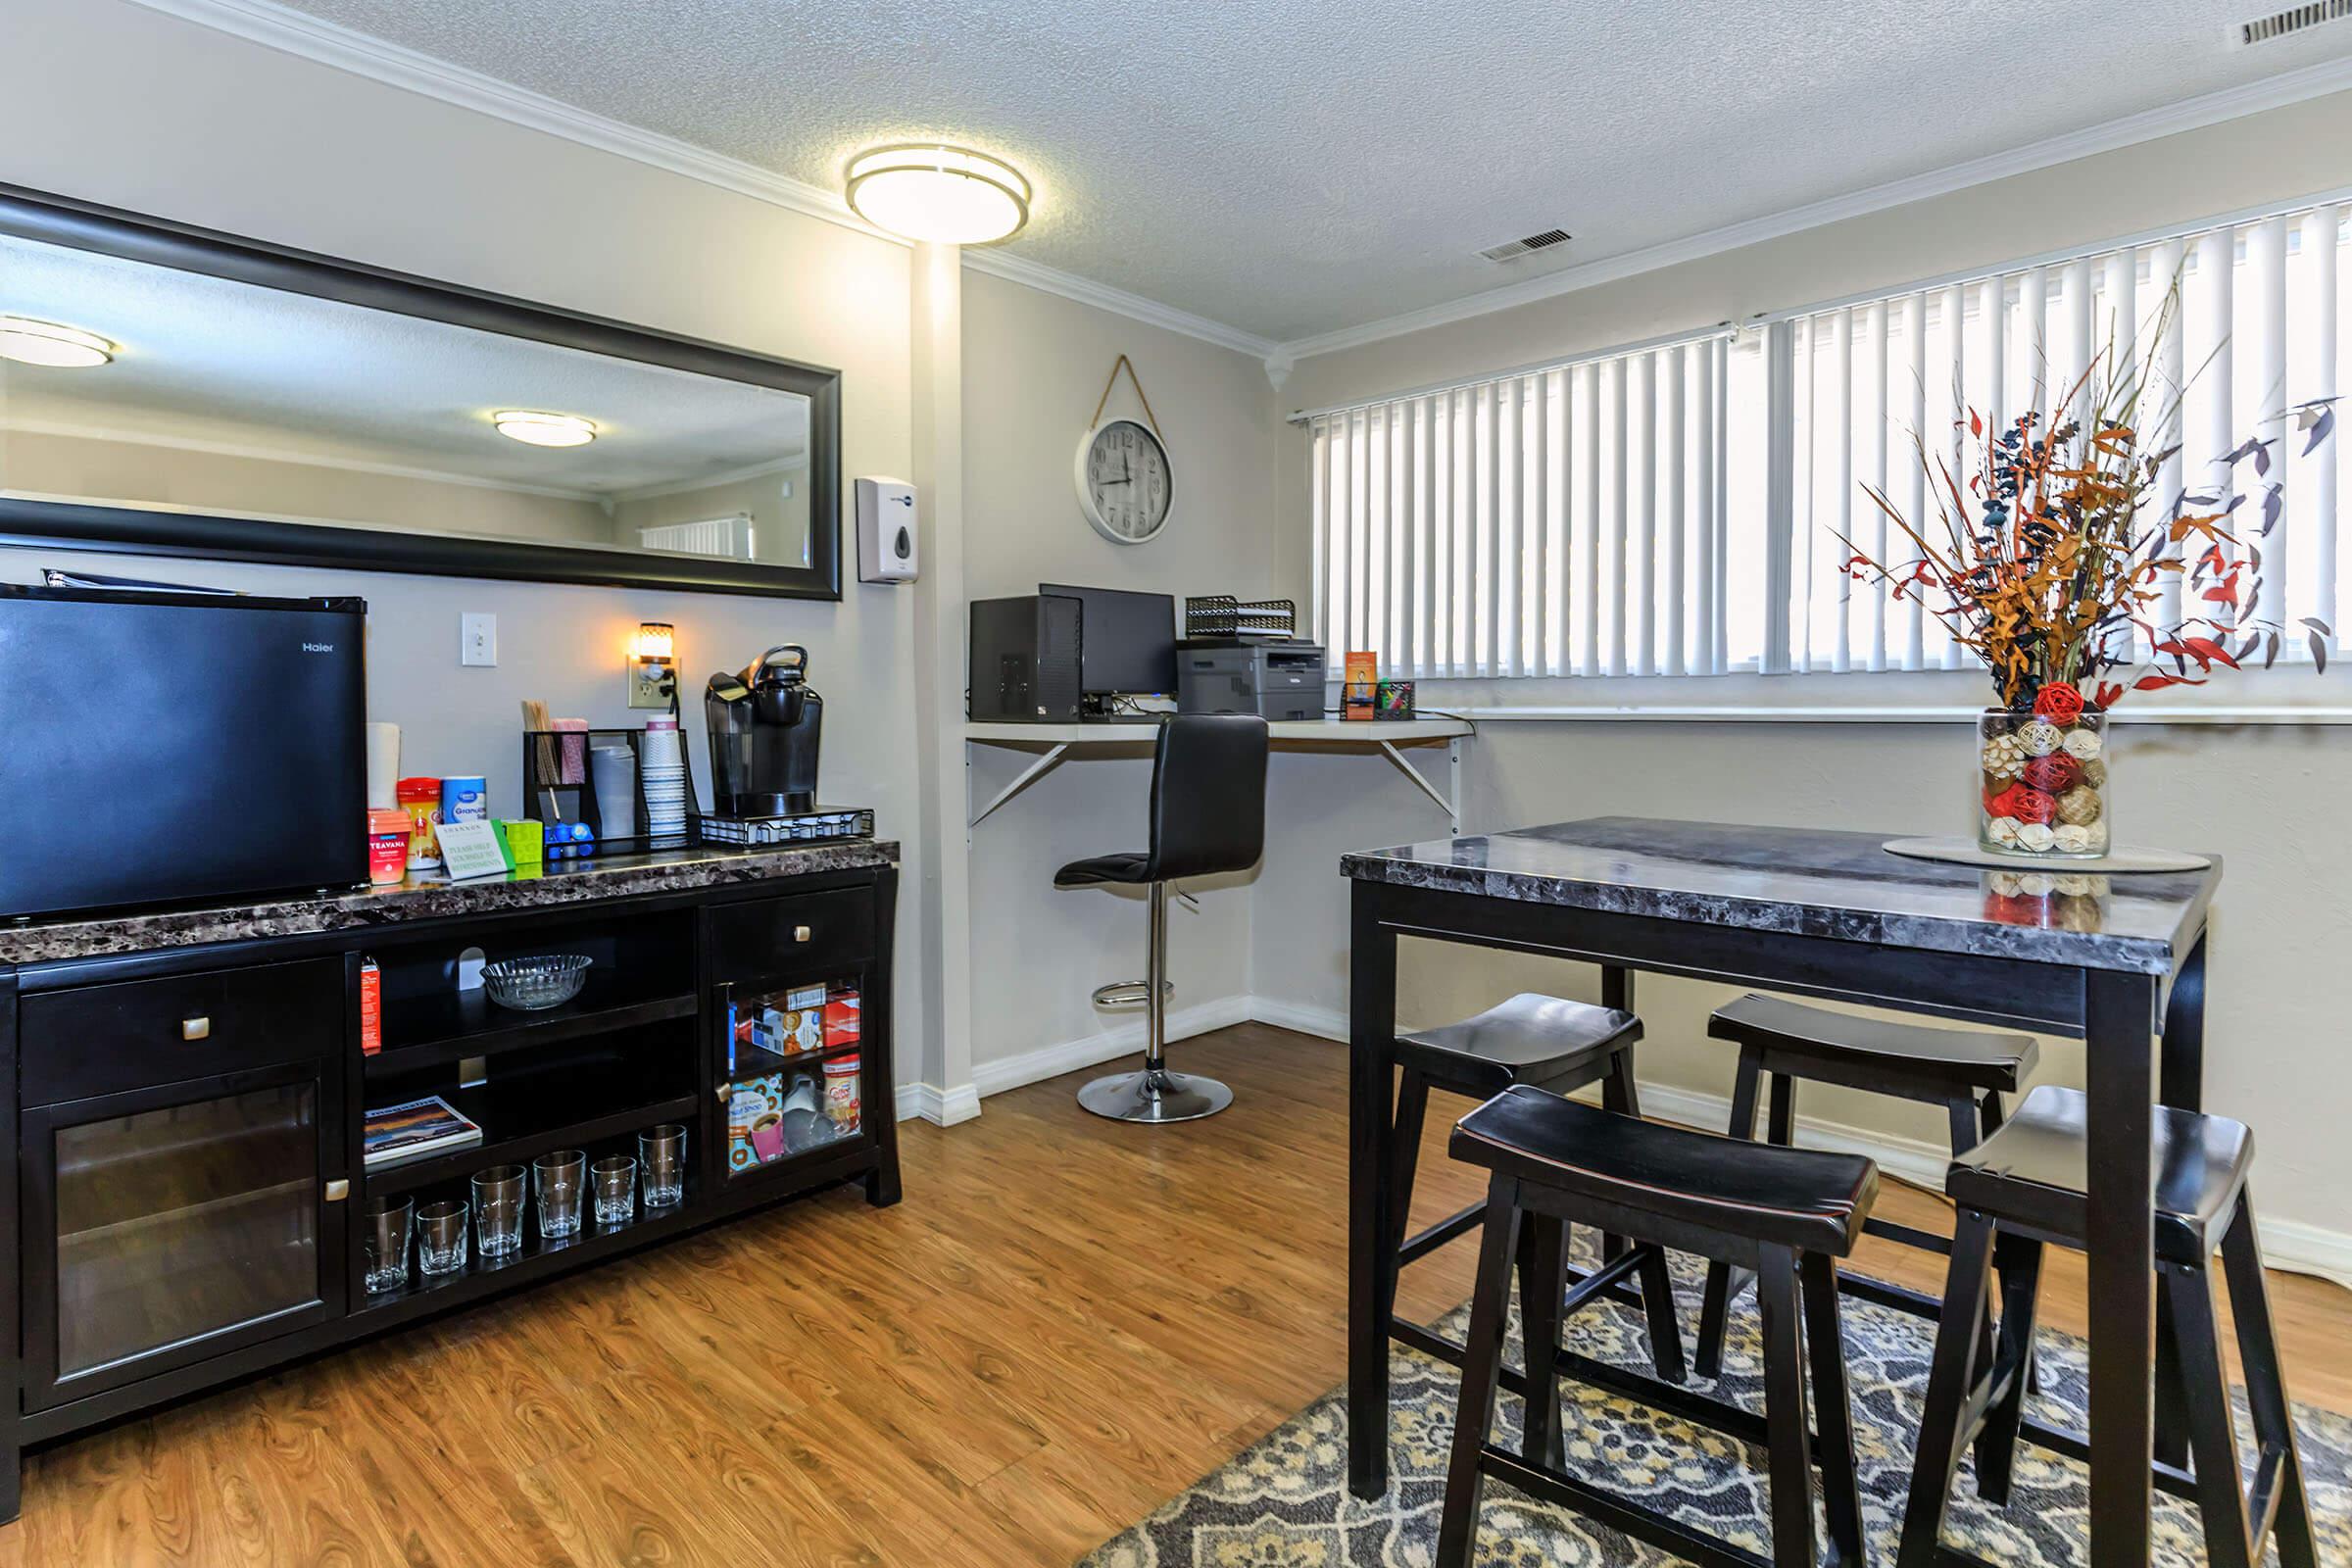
(544, 430)
(65, 348)
(946, 195)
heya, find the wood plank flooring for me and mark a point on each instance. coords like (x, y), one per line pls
(1064, 1324)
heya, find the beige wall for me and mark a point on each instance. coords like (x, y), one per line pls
(2266, 798)
(263, 144)
(1034, 366)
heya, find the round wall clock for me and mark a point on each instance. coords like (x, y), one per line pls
(1124, 484)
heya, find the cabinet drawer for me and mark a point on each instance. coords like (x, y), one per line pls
(96, 1040)
(807, 935)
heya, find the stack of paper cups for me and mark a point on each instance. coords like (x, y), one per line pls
(664, 780)
(383, 767)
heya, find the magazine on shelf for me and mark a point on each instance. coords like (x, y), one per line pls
(415, 1129)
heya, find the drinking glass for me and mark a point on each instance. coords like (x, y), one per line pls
(387, 1242)
(441, 1236)
(615, 1179)
(662, 1151)
(560, 1181)
(498, 1197)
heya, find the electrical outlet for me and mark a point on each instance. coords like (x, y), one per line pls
(478, 638)
(645, 684)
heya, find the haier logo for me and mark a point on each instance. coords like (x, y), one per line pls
(318, 648)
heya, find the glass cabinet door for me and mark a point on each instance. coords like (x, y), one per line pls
(790, 1078)
(179, 1231)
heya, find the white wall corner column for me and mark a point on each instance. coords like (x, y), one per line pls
(945, 1092)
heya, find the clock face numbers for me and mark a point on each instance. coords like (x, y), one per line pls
(1127, 486)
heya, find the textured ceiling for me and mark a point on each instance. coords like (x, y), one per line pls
(1298, 166)
(223, 364)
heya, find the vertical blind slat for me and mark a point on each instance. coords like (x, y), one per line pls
(2077, 349)
(2216, 266)
(1677, 522)
(1806, 445)
(1955, 314)
(1878, 475)
(1587, 597)
(2322, 243)
(1490, 510)
(1704, 653)
(2168, 373)
(2266, 272)
(1844, 503)
(2034, 305)
(1915, 627)
(1539, 515)
(1719, 527)
(1318, 502)
(1645, 547)
(1425, 609)
(1617, 517)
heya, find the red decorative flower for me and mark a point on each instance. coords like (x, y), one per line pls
(2059, 702)
(2053, 774)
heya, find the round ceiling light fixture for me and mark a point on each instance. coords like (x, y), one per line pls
(65, 348)
(544, 430)
(946, 195)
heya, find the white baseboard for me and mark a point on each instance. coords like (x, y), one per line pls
(2290, 1245)
(946, 1108)
(1123, 1040)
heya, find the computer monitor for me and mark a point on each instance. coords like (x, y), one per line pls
(1127, 641)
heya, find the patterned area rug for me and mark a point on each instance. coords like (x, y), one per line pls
(1284, 1503)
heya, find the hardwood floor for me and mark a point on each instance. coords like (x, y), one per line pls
(1064, 1324)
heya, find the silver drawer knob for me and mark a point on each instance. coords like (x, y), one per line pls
(799, 933)
(195, 1028)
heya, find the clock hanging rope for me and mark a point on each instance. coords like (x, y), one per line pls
(1125, 481)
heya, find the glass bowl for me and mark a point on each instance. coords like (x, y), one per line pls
(530, 984)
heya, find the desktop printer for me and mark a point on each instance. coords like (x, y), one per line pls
(1276, 681)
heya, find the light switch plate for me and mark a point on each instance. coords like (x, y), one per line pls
(478, 638)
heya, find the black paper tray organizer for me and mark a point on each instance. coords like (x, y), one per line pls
(556, 786)
(1223, 615)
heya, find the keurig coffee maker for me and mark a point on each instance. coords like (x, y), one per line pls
(764, 727)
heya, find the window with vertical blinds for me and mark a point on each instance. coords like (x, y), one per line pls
(1567, 519)
(2259, 331)
(1684, 507)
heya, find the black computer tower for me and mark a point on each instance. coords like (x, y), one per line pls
(1024, 660)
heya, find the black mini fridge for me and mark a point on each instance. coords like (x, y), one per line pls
(157, 748)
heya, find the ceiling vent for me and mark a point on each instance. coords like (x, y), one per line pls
(2294, 19)
(1559, 237)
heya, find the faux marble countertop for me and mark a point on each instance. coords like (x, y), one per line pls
(561, 882)
(1815, 882)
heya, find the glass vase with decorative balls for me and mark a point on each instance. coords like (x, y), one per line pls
(2042, 783)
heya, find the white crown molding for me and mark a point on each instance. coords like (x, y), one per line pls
(2190, 114)
(1118, 301)
(327, 43)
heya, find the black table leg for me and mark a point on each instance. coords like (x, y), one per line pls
(2117, 1012)
(2179, 1083)
(1617, 1091)
(1372, 1034)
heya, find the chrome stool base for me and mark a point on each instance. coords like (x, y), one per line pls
(1154, 1095)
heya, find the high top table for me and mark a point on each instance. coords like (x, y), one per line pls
(1818, 913)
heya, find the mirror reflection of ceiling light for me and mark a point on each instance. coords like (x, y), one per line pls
(946, 195)
(69, 348)
(544, 430)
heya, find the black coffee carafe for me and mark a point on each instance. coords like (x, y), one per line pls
(763, 727)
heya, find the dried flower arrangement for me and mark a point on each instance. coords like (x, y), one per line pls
(2048, 560)
(2052, 568)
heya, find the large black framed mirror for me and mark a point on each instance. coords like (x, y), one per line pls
(169, 390)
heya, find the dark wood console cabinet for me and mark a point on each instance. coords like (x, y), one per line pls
(183, 1186)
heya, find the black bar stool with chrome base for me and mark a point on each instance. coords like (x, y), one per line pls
(1787, 1215)
(1546, 1042)
(1208, 815)
(2023, 1186)
(1964, 1071)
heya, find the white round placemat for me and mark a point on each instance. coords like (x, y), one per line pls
(1968, 851)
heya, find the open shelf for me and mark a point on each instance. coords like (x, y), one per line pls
(538, 1256)
(446, 1025)
(528, 1114)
